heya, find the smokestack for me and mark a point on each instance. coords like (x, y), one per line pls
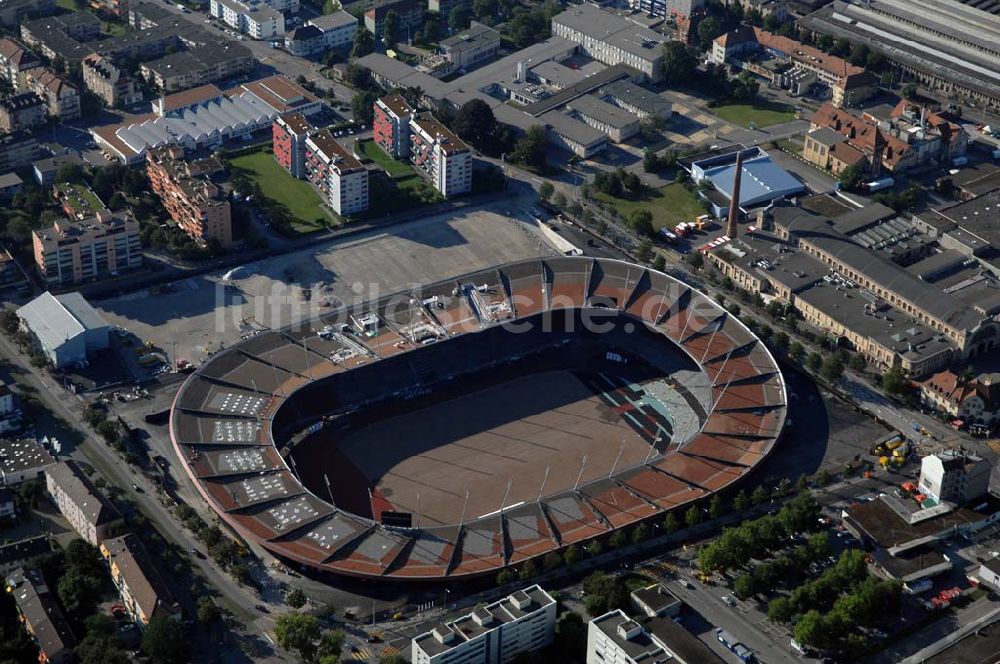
(734, 203)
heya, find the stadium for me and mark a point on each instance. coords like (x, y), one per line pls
(480, 421)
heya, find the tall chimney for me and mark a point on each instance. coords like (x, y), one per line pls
(734, 203)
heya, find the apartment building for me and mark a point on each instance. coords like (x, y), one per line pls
(80, 251)
(391, 125)
(339, 176)
(194, 202)
(288, 141)
(612, 39)
(975, 402)
(87, 510)
(954, 476)
(440, 155)
(470, 48)
(17, 150)
(41, 616)
(411, 17)
(60, 97)
(21, 111)
(117, 8)
(12, 12)
(782, 60)
(20, 459)
(15, 59)
(199, 65)
(898, 139)
(139, 582)
(493, 634)
(254, 18)
(677, 10)
(614, 638)
(829, 150)
(112, 85)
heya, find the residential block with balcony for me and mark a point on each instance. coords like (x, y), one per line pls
(441, 156)
(78, 251)
(337, 173)
(194, 202)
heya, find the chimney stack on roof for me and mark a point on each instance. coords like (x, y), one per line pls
(734, 202)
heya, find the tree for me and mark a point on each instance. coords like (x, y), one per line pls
(331, 643)
(693, 516)
(571, 635)
(390, 28)
(208, 611)
(476, 124)
(740, 501)
(716, 507)
(640, 534)
(810, 630)
(364, 43)
(559, 200)
(299, 632)
(572, 554)
(859, 55)
(78, 591)
(858, 362)
(296, 599)
(708, 30)
(759, 496)
(780, 610)
(505, 576)
(850, 178)
(695, 260)
(392, 659)
(909, 91)
(100, 649)
(895, 380)
(796, 351)
(679, 62)
(528, 570)
(833, 368)
(362, 106)
(814, 361)
(164, 642)
(642, 223)
(485, 10)
(745, 586)
(551, 561)
(618, 539)
(70, 173)
(545, 190)
(458, 18)
(780, 341)
(825, 43)
(530, 150)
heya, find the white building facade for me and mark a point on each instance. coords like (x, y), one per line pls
(253, 18)
(493, 634)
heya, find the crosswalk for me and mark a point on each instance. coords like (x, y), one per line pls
(371, 653)
(658, 569)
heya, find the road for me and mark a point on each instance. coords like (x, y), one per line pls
(110, 465)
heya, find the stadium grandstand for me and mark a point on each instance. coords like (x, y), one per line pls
(480, 421)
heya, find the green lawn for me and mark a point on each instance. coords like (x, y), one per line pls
(297, 196)
(395, 168)
(80, 198)
(762, 114)
(68, 5)
(388, 196)
(670, 205)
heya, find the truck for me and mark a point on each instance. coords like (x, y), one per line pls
(668, 236)
(725, 638)
(878, 185)
(958, 162)
(744, 653)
